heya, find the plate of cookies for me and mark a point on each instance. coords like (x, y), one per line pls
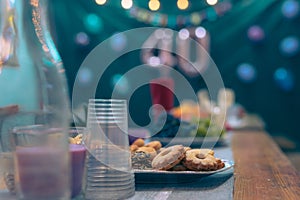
(177, 163)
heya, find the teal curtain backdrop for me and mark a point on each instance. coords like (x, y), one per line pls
(230, 47)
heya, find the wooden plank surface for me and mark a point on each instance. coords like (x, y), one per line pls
(262, 171)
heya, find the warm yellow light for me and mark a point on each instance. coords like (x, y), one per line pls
(100, 2)
(212, 2)
(154, 5)
(126, 4)
(182, 4)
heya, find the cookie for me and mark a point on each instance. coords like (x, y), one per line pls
(139, 142)
(155, 144)
(187, 148)
(168, 157)
(160, 150)
(202, 160)
(148, 150)
(133, 148)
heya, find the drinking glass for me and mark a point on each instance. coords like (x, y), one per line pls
(109, 173)
(41, 163)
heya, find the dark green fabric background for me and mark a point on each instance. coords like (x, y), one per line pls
(229, 47)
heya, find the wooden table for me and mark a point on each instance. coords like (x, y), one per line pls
(261, 171)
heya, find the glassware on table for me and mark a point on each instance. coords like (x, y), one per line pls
(33, 87)
(78, 156)
(205, 103)
(41, 163)
(109, 174)
(226, 98)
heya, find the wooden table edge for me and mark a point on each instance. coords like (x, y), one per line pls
(262, 171)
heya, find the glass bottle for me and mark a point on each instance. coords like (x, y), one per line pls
(33, 88)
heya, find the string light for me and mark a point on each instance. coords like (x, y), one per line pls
(154, 5)
(100, 2)
(212, 2)
(126, 4)
(193, 19)
(184, 34)
(200, 32)
(182, 4)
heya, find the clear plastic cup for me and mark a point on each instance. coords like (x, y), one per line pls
(109, 174)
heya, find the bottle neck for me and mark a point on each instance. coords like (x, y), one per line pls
(24, 26)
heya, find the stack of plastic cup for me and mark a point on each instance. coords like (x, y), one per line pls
(109, 174)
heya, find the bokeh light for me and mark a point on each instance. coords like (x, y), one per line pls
(100, 2)
(184, 34)
(82, 39)
(182, 4)
(126, 4)
(196, 18)
(154, 5)
(167, 34)
(290, 9)
(93, 23)
(200, 32)
(289, 46)
(84, 75)
(212, 2)
(120, 84)
(255, 33)
(154, 61)
(284, 79)
(159, 34)
(246, 73)
(118, 41)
